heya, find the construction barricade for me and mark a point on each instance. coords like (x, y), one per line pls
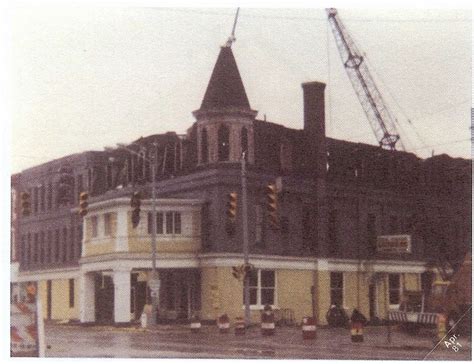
(441, 326)
(195, 324)
(223, 323)
(268, 321)
(239, 328)
(308, 328)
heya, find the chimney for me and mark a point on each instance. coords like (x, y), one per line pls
(314, 127)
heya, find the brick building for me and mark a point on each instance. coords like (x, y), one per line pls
(336, 198)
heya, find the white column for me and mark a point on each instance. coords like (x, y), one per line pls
(87, 297)
(122, 295)
(121, 242)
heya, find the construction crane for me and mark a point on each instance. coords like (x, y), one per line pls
(380, 118)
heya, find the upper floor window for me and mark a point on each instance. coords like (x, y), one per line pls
(332, 232)
(262, 287)
(166, 223)
(50, 196)
(94, 225)
(223, 143)
(107, 224)
(204, 146)
(244, 142)
(371, 233)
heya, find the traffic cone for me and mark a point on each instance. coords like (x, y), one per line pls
(223, 323)
(195, 324)
(357, 332)
(309, 328)
(268, 321)
(239, 326)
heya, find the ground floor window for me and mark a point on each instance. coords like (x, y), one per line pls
(262, 287)
(336, 287)
(394, 289)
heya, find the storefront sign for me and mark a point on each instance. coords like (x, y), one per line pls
(394, 244)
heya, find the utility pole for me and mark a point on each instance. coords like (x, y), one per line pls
(245, 237)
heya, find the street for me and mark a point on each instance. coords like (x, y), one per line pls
(178, 342)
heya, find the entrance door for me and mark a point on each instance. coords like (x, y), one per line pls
(104, 299)
(372, 302)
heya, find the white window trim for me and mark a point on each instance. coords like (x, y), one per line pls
(165, 218)
(259, 306)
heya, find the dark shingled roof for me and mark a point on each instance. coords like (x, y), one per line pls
(225, 88)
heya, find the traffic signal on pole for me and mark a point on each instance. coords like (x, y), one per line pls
(83, 203)
(236, 272)
(135, 203)
(247, 268)
(272, 205)
(25, 204)
(232, 206)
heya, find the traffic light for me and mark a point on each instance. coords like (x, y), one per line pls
(272, 205)
(25, 204)
(83, 204)
(135, 203)
(232, 206)
(246, 269)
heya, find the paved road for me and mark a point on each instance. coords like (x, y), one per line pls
(287, 343)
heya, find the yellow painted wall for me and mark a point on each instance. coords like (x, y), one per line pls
(356, 292)
(60, 300)
(143, 245)
(294, 292)
(98, 248)
(412, 281)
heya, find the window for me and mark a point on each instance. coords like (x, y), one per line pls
(50, 196)
(49, 243)
(223, 143)
(244, 142)
(71, 293)
(57, 246)
(35, 200)
(332, 233)
(173, 222)
(35, 248)
(394, 289)
(262, 287)
(41, 247)
(65, 245)
(107, 224)
(204, 146)
(371, 234)
(79, 185)
(79, 240)
(337, 287)
(258, 225)
(42, 198)
(159, 222)
(94, 225)
(177, 223)
(169, 223)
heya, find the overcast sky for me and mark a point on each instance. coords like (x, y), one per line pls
(90, 77)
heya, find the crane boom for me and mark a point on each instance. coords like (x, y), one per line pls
(380, 118)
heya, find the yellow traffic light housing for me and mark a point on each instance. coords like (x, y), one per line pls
(272, 205)
(83, 203)
(25, 204)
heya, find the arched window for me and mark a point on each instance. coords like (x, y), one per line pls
(244, 142)
(204, 147)
(223, 143)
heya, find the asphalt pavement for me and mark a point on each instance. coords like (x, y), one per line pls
(176, 341)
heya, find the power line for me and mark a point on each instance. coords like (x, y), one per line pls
(298, 18)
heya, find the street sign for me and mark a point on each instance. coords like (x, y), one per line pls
(154, 285)
(394, 244)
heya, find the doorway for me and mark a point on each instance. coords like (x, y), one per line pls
(372, 302)
(104, 299)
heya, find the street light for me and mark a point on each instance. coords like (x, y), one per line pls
(154, 282)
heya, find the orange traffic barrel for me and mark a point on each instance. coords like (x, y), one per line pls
(195, 324)
(268, 321)
(308, 328)
(239, 328)
(223, 323)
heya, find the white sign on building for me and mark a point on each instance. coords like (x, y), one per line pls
(394, 244)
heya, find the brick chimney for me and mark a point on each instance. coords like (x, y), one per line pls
(314, 127)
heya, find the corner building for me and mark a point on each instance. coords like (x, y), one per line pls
(336, 198)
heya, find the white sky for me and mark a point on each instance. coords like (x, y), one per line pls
(87, 77)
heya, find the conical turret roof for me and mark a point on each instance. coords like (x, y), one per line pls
(225, 88)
